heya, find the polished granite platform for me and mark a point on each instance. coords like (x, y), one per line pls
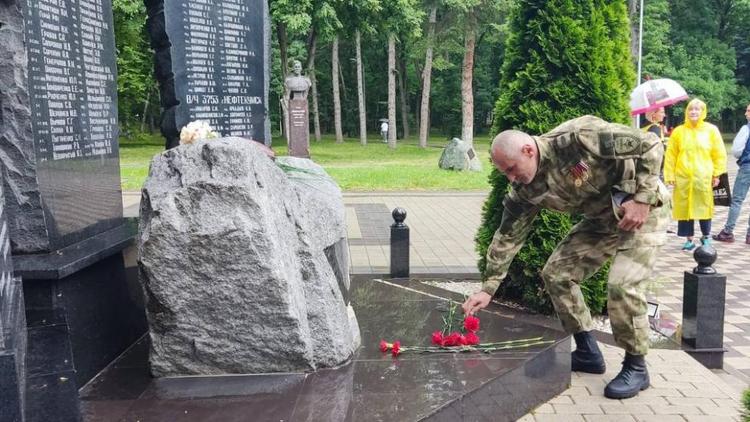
(501, 386)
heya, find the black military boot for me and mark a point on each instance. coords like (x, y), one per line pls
(632, 378)
(587, 357)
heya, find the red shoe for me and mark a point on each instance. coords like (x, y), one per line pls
(723, 236)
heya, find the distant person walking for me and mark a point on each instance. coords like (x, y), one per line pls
(740, 151)
(694, 160)
(384, 131)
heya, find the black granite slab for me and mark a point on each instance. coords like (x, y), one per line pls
(60, 132)
(212, 64)
(501, 386)
(61, 263)
(12, 330)
(102, 308)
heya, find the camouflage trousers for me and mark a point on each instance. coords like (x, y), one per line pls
(586, 248)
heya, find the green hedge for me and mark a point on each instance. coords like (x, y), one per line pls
(746, 405)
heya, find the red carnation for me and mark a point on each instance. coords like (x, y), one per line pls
(396, 348)
(471, 339)
(384, 346)
(471, 324)
(451, 340)
(437, 338)
(462, 340)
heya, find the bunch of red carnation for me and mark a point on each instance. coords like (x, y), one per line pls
(468, 338)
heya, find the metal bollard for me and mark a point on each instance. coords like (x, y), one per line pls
(399, 244)
(704, 292)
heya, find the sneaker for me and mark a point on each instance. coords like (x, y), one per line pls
(724, 236)
(705, 241)
(688, 246)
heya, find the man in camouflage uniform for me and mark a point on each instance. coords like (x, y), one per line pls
(609, 173)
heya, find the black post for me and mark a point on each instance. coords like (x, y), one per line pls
(704, 292)
(399, 244)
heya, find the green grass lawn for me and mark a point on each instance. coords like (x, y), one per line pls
(373, 167)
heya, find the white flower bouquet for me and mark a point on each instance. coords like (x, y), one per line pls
(196, 130)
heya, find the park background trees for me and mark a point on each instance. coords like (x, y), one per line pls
(438, 86)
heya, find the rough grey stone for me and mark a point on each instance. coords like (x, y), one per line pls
(232, 258)
(17, 155)
(458, 155)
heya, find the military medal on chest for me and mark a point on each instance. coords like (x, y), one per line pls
(579, 173)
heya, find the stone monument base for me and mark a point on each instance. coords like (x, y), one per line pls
(501, 386)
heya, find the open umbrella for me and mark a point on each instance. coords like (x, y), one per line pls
(656, 93)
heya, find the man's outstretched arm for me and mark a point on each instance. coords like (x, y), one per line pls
(507, 241)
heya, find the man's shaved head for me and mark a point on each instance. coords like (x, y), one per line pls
(515, 154)
(509, 142)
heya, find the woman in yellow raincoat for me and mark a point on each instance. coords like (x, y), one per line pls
(694, 160)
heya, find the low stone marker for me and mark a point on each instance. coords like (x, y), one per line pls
(458, 155)
(241, 263)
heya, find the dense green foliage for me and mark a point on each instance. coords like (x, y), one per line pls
(703, 44)
(136, 87)
(746, 405)
(564, 58)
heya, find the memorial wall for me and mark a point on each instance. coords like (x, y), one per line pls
(60, 145)
(211, 63)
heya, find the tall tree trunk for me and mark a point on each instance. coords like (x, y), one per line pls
(402, 91)
(634, 21)
(424, 110)
(391, 90)
(467, 94)
(336, 96)
(360, 89)
(145, 109)
(281, 35)
(314, 85)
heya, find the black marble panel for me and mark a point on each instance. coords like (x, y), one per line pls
(52, 397)
(69, 157)
(103, 309)
(703, 310)
(212, 63)
(373, 387)
(12, 330)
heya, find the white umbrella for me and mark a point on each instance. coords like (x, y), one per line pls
(654, 94)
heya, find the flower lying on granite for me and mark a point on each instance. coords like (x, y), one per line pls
(195, 131)
(471, 324)
(448, 341)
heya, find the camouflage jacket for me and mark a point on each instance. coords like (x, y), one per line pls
(582, 163)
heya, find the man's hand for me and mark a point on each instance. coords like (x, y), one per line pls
(635, 215)
(475, 302)
(715, 182)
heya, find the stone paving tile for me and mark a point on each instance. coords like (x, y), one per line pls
(659, 418)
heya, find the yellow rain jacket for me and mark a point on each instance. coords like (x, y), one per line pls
(695, 155)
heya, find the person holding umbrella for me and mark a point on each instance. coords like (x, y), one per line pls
(694, 160)
(656, 117)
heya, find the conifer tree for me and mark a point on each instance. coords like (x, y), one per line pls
(564, 59)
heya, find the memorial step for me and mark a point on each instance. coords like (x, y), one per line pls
(51, 392)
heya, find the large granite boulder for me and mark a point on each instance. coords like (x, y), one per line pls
(241, 262)
(459, 155)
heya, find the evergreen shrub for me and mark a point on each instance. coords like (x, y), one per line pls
(563, 59)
